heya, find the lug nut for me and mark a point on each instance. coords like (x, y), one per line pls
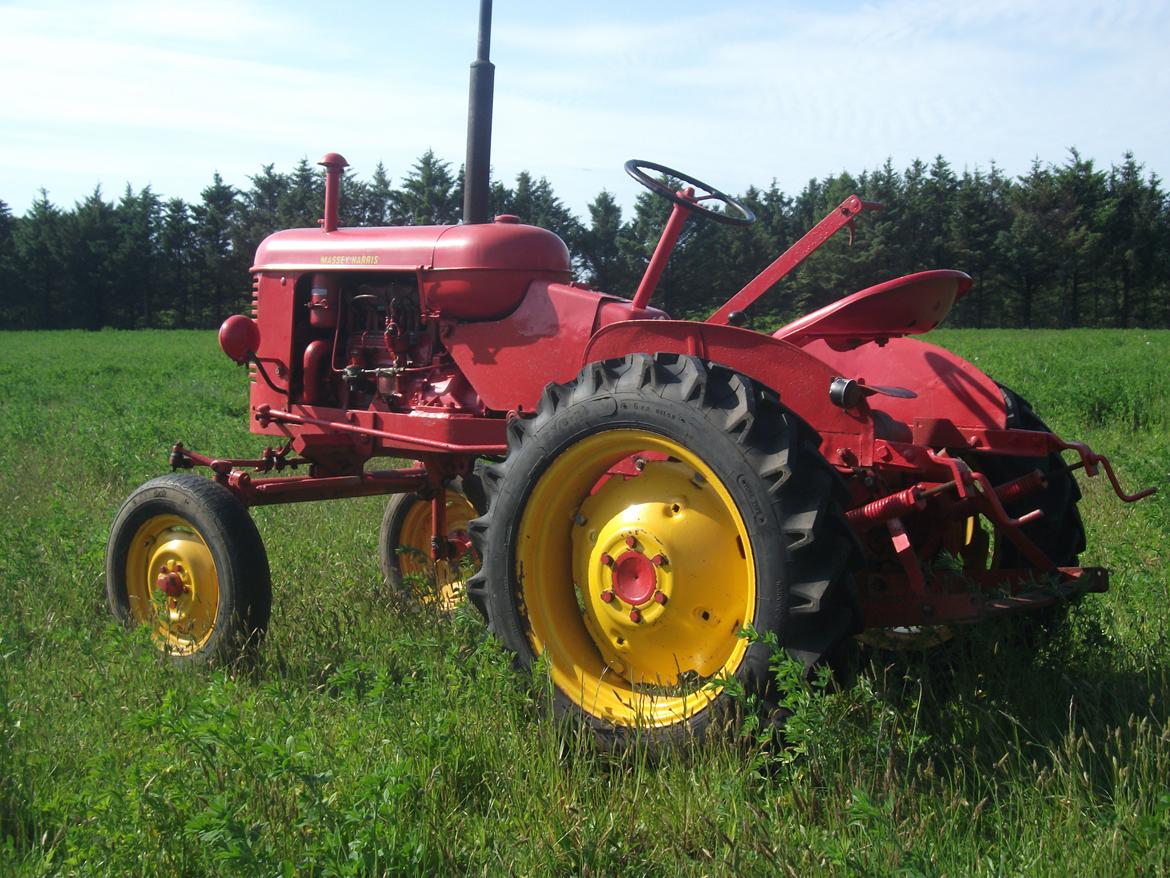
(607, 596)
(660, 597)
(658, 560)
(606, 559)
(635, 616)
(639, 463)
(631, 542)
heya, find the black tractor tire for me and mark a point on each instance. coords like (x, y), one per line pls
(787, 497)
(1059, 533)
(406, 511)
(197, 533)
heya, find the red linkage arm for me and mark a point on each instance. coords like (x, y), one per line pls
(842, 215)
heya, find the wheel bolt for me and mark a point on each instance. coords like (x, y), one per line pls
(635, 616)
(631, 542)
(658, 560)
(639, 463)
(607, 596)
(660, 597)
(607, 559)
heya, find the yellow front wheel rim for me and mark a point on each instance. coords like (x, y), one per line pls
(414, 549)
(635, 588)
(172, 584)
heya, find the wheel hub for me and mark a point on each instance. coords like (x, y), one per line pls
(645, 608)
(634, 578)
(170, 582)
(647, 547)
(629, 573)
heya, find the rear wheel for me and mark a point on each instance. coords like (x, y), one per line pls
(1059, 533)
(404, 545)
(635, 587)
(185, 559)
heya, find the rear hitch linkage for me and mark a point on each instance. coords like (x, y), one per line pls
(977, 496)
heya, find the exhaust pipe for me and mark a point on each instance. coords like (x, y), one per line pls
(334, 164)
(477, 168)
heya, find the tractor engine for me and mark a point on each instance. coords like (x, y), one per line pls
(368, 345)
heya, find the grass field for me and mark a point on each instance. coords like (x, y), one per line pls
(373, 738)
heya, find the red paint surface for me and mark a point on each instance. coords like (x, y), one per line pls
(510, 361)
(634, 579)
(907, 305)
(948, 388)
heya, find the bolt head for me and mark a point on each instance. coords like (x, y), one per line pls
(660, 597)
(635, 616)
(658, 560)
(607, 596)
(631, 542)
(607, 559)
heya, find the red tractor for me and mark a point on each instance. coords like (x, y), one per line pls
(632, 491)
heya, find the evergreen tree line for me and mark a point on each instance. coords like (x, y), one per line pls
(1061, 246)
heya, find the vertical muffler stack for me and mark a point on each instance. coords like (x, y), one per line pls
(333, 164)
(477, 168)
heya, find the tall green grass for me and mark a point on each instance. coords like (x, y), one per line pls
(378, 738)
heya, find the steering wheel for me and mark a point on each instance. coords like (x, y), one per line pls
(637, 168)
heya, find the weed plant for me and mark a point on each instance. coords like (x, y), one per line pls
(374, 736)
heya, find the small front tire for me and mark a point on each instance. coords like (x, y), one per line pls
(184, 559)
(404, 545)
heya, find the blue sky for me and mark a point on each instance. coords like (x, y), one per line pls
(734, 93)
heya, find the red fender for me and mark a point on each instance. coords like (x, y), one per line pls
(948, 388)
(801, 380)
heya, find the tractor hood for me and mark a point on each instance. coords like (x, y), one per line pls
(505, 244)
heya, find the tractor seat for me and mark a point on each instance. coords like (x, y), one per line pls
(908, 305)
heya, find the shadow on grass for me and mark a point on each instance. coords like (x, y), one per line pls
(1038, 698)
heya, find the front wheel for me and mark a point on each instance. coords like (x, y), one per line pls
(185, 559)
(404, 545)
(648, 513)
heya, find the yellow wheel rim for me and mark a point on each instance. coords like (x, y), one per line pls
(414, 550)
(635, 588)
(172, 584)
